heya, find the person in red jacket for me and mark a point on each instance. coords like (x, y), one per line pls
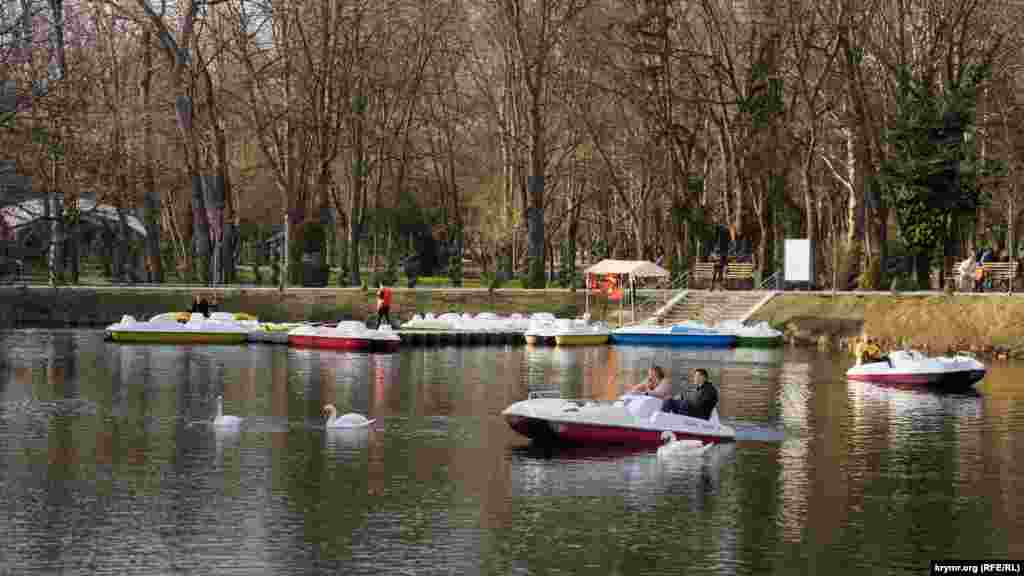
(383, 303)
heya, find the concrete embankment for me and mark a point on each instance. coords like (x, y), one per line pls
(982, 323)
(38, 306)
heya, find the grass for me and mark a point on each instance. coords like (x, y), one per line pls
(932, 322)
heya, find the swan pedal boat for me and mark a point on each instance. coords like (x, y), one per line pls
(760, 335)
(632, 419)
(569, 332)
(184, 328)
(912, 368)
(346, 335)
(273, 333)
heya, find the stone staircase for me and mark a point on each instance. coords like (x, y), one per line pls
(713, 306)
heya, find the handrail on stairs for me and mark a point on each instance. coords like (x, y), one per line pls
(770, 282)
(677, 291)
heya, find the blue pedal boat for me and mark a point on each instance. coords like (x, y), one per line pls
(684, 334)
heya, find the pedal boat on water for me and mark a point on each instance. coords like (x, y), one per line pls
(630, 420)
(183, 328)
(911, 368)
(345, 335)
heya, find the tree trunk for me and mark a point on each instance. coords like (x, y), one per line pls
(74, 250)
(56, 252)
(123, 244)
(200, 230)
(535, 183)
(357, 211)
(213, 202)
(855, 202)
(811, 215)
(353, 254)
(151, 198)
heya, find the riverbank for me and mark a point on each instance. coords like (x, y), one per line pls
(988, 324)
(93, 306)
(983, 323)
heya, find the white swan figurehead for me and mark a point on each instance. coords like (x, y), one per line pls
(222, 420)
(350, 420)
(672, 446)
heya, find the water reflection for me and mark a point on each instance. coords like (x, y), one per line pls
(551, 471)
(102, 472)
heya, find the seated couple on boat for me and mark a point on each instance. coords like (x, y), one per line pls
(699, 402)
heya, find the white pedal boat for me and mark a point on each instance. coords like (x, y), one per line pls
(631, 420)
(914, 369)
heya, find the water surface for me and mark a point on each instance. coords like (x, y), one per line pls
(108, 466)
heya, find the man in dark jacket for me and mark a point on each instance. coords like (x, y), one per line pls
(698, 403)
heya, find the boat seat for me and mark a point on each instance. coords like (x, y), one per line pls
(661, 416)
(641, 406)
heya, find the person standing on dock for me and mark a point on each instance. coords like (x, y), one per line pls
(383, 303)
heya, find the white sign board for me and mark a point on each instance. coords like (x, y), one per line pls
(798, 260)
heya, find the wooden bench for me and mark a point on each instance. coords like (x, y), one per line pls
(998, 275)
(733, 271)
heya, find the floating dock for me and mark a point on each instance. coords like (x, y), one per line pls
(458, 338)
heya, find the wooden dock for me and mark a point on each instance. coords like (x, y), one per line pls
(459, 338)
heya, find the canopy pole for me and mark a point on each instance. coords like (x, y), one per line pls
(632, 295)
(622, 303)
(586, 286)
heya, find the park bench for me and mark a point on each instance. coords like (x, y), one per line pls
(734, 271)
(998, 276)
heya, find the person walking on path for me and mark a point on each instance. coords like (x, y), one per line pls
(383, 304)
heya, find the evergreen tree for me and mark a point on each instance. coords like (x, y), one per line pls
(932, 173)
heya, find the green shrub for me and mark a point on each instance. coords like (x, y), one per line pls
(388, 277)
(869, 278)
(567, 311)
(455, 269)
(328, 313)
(903, 283)
(492, 280)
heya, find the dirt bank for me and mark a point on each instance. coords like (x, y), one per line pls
(987, 324)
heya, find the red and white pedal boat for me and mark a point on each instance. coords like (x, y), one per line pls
(911, 368)
(630, 420)
(346, 335)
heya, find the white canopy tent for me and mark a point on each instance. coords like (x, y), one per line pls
(632, 268)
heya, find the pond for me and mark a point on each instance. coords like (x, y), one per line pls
(108, 465)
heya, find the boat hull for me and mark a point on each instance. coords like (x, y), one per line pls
(694, 340)
(581, 339)
(758, 341)
(331, 342)
(536, 340)
(956, 380)
(385, 346)
(912, 369)
(153, 337)
(634, 420)
(577, 433)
